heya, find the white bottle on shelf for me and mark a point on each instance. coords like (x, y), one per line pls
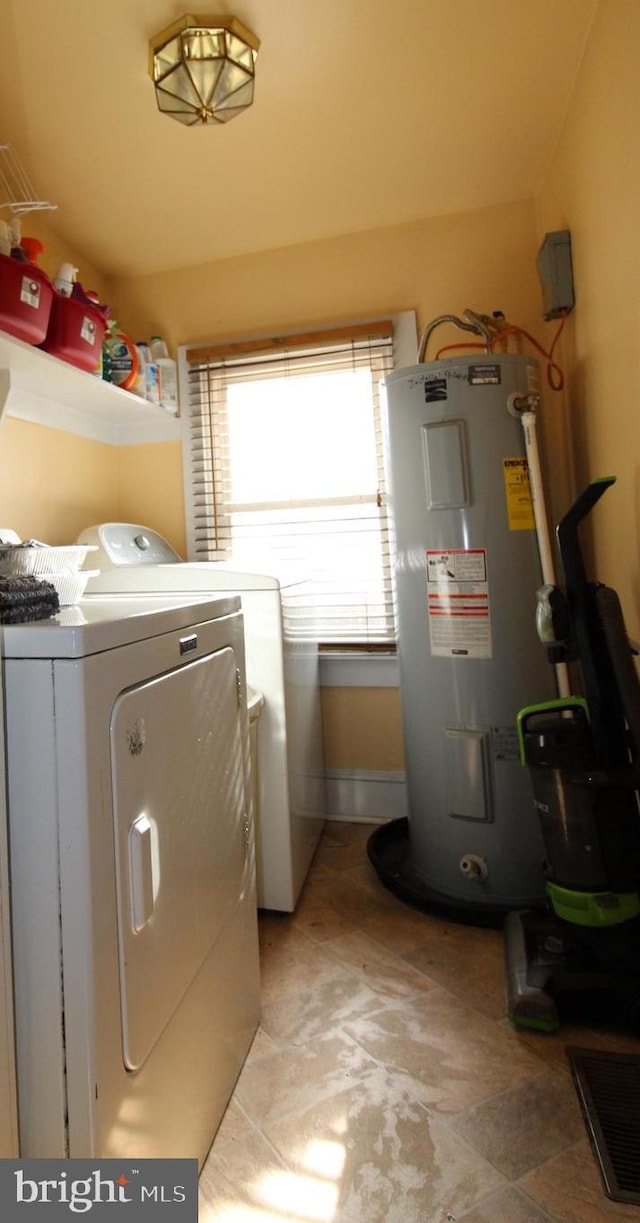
(65, 279)
(140, 385)
(168, 374)
(147, 382)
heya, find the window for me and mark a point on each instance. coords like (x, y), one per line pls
(285, 468)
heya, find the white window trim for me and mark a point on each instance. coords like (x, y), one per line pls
(361, 670)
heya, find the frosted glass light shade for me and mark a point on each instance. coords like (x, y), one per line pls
(203, 69)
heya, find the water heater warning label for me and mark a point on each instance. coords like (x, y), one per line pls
(458, 603)
(517, 489)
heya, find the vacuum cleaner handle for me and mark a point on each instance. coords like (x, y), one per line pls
(599, 684)
(624, 668)
(567, 530)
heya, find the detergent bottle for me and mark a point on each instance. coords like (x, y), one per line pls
(120, 358)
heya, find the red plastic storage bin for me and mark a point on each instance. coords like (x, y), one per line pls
(26, 295)
(75, 332)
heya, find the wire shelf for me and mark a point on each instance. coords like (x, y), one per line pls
(16, 187)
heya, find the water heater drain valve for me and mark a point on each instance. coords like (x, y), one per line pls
(474, 867)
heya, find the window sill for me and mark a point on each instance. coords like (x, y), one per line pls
(358, 670)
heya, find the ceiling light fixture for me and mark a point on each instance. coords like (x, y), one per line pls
(203, 69)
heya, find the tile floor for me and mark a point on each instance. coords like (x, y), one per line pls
(385, 1084)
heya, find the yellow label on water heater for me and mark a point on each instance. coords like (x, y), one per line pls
(518, 493)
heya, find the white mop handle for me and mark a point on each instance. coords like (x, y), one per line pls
(529, 423)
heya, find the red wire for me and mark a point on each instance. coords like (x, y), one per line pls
(462, 344)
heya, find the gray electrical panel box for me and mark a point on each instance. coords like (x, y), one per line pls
(556, 274)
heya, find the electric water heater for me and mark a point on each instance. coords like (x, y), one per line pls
(467, 571)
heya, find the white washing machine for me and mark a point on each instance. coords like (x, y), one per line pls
(281, 665)
(134, 917)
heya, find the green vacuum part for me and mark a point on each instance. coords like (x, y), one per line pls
(558, 705)
(579, 958)
(593, 908)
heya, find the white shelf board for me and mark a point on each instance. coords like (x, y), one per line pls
(37, 387)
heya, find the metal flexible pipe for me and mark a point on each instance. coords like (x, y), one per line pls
(475, 325)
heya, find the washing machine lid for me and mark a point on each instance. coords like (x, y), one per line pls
(99, 624)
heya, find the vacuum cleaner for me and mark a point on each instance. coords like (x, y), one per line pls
(580, 955)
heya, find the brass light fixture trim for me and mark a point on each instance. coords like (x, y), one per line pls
(203, 69)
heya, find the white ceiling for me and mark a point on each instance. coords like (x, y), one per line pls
(367, 113)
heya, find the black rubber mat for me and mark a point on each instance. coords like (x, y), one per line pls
(608, 1087)
(389, 853)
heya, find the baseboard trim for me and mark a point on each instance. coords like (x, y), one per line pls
(365, 796)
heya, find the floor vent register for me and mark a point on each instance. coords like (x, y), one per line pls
(608, 1088)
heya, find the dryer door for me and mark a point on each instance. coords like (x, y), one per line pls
(178, 747)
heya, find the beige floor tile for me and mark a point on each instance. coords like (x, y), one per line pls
(366, 877)
(384, 1158)
(506, 1206)
(343, 845)
(263, 1046)
(275, 930)
(234, 1123)
(403, 931)
(298, 1017)
(455, 1056)
(552, 1046)
(526, 1125)
(348, 830)
(236, 1180)
(569, 1188)
(293, 963)
(385, 973)
(431, 924)
(469, 962)
(316, 918)
(300, 1077)
(345, 897)
(395, 925)
(385, 1082)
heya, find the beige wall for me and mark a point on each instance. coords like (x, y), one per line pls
(57, 251)
(362, 729)
(483, 259)
(593, 188)
(150, 489)
(52, 484)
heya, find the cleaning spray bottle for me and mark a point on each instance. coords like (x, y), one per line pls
(65, 279)
(15, 238)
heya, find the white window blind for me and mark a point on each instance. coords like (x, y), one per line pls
(287, 471)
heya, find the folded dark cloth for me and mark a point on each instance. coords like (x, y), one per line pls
(27, 598)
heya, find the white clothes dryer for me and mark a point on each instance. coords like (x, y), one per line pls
(132, 875)
(282, 665)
